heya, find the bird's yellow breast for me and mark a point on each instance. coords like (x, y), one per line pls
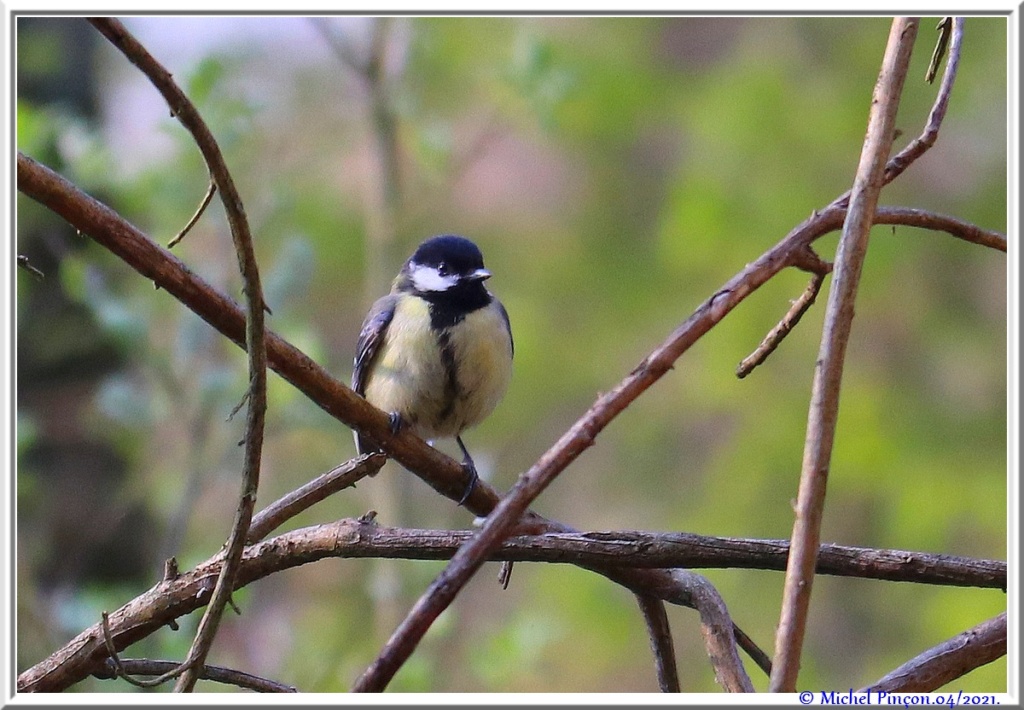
(438, 393)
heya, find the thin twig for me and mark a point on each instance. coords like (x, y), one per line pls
(807, 260)
(753, 650)
(505, 574)
(660, 634)
(186, 112)
(195, 217)
(920, 145)
(218, 674)
(945, 28)
(828, 372)
(338, 478)
(951, 659)
(896, 165)
(923, 219)
(25, 264)
(782, 329)
(119, 669)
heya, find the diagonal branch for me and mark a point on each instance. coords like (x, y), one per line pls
(783, 328)
(828, 373)
(256, 396)
(951, 659)
(302, 498)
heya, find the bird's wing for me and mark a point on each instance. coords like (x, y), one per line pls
(370, 338)
(371, 335)
(508, 326)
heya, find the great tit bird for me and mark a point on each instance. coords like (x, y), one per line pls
(436, 352)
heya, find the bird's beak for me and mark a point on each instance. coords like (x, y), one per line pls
(479, 275)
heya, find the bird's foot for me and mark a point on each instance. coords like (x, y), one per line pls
(395, 422)
(470, 470)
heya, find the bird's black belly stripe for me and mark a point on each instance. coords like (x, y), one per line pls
(451, 385)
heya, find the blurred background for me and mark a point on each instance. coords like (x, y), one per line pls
(615, 172)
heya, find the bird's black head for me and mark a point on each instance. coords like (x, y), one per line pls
(448, 271)
(444, 264)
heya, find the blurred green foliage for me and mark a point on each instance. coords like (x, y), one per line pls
(616, 172)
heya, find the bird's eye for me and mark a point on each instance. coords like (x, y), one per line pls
(443, 268)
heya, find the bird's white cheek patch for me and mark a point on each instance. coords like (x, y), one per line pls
(426, 278)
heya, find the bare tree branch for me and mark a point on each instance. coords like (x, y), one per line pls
(218, 674)
(809, 261)
(660, 634)
(951, 659)
(186, 112)
(719, 637)
(920, 145)
(780, 331)
(203, 204)
(923, 219)
(753, 650)
(302, 498)
(828, 372)
(181, 593)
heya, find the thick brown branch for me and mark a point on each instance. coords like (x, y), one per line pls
(828, 373)
(186, 112)
(949, 660)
